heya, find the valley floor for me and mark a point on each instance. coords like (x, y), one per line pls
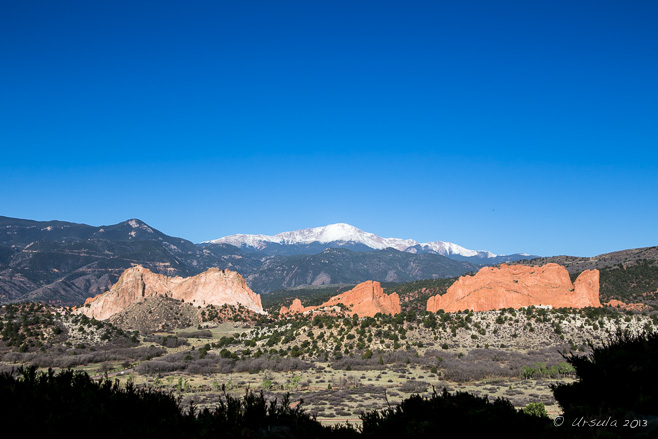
(339, 396)
(336, 367)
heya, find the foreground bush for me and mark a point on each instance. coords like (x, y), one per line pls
(71, 404)
(460, 413)
(617, 381)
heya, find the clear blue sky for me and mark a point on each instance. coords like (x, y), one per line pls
(510, 126)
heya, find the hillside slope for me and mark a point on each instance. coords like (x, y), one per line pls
(64, 263)
(341, 266)
(627, 275)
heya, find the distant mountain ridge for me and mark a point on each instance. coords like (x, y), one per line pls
(342, 266)
(576, 264)
(341, 235)
(64, 263)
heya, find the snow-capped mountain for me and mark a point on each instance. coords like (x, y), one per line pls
(342, 235)
(332, 233)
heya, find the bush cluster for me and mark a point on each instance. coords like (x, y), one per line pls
(71, 404)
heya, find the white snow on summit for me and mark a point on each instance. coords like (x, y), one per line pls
(342, 232)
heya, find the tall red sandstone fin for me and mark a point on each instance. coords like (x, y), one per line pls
(434, 303)
(212, 287)
(295, 307)
(586, 288)
(366, 299)
(517, 286)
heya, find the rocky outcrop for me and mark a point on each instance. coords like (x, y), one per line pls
(155, 314)
(517, 286)
(295, 307)
(213, 287)
(366, 299)
(614, 303)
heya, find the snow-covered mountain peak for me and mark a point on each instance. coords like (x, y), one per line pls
(342, 233)
(330, 233)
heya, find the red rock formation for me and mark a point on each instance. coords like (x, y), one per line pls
(365, 299)
(516, 286)
(213, 287)
(628, 306)
(295, 307)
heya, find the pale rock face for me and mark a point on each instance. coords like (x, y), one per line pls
(518, 286)
(212, 287)
(365, 299)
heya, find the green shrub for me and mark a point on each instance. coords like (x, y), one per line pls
(536, 409)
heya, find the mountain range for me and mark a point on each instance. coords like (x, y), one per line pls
(342, 235)
(65, 263)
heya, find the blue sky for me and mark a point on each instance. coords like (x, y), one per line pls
(509, 126)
